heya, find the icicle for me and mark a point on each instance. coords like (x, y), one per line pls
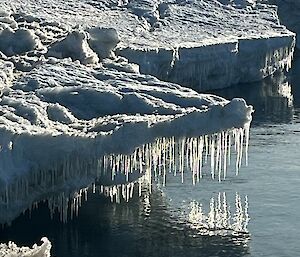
(206, 148)
(247, 133)
(212, 157)
(237, 149)
(241, 144)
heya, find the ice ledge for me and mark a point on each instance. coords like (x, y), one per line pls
(62, 117)
(213, 66)
(194, 43)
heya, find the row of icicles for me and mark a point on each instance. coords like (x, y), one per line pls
(152, 161)
(166, 155)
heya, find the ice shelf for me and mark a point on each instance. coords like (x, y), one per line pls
(205, 44)
(65, 125)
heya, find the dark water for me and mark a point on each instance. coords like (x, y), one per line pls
(159, 224)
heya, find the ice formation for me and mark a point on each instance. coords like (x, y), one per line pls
(74, 46)
(6, 74)
(75, 113)
(18, 41)
(93, 121)
(12, 250)
(204, 48)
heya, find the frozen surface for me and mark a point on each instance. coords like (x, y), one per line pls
(12, 250)
(202, 44)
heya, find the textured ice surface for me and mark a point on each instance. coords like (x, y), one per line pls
(12, 250)
(202, 44)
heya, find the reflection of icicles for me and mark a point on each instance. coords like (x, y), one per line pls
(68, 205)
(241, 217)
(146, 204)
(219, 219)
(285, 90)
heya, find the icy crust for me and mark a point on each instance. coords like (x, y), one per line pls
(12, 250)
(61, 119)
(194, 43)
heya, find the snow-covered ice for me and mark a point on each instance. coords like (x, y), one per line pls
(12, 250)
(62, 117)
(77, 98)
(80, 106)
(204, 44)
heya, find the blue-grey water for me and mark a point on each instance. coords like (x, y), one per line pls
(159, 225)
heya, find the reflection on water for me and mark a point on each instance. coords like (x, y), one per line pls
(272, 98)
(142, 227)
(220, 220)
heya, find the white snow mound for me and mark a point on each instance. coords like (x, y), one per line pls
(75, 46)
(12, 250)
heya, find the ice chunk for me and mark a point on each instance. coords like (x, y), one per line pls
(193, 43)
(6, 75)
(11, 249)
(17, 42)
(75, 46)
(103, 41)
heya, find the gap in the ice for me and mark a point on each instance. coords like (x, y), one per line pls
(119, 175)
